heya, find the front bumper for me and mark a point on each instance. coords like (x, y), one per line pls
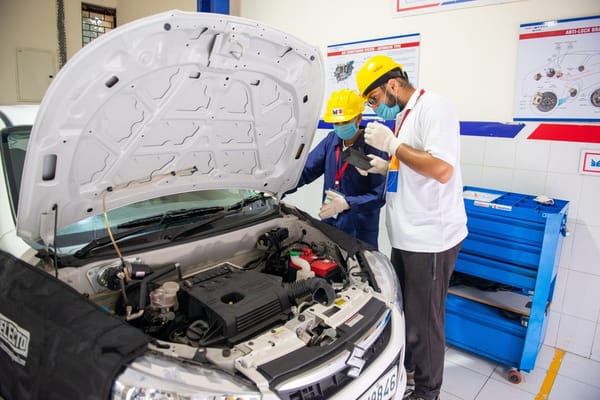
(333, 380)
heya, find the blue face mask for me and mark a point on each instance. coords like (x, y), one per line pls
(386, 112)
(346, 131)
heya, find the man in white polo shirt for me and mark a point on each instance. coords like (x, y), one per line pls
(426, 219)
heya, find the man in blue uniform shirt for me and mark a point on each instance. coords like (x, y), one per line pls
(352, 199)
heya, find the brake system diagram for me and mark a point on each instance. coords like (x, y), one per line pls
(559, 72)
(569, 76)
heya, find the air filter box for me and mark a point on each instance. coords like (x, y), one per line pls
(235, 304)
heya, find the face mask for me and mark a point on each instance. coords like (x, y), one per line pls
(346, 131)
(386, 112)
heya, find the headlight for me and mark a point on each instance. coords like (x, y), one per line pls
(157, 378)
(160, 394)
(386, 278)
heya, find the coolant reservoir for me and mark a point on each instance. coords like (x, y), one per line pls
(304, 272)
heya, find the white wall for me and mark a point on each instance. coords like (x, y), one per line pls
(470, 55)
(32, 24)
(128, 10)
(14, 34)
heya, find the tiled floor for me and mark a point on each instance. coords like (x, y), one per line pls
(471, 377)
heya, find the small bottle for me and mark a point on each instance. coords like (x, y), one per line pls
(304, 272)
(329, 198)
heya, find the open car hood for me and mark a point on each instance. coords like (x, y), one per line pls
(172, 103)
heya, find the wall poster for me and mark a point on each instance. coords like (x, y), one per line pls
(558, 71)
(411, 7)
(345, 59)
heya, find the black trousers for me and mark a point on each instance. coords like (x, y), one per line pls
(424, 278)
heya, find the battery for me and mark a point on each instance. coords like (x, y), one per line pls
(322, 267)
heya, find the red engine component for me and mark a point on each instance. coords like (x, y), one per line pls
(323, 267)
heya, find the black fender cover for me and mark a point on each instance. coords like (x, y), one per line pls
(54, 342)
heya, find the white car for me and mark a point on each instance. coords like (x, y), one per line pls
(159, 260)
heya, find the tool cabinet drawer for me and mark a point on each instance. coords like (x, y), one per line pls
(494, 270)
(482, 329)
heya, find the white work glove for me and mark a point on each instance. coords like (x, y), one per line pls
(378, 165)
(334, 207)
(381, 137)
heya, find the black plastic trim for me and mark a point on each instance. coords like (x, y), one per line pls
(305, 358)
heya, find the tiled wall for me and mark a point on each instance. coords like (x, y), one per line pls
(551, 168)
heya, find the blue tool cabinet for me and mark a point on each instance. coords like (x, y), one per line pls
(515, 241)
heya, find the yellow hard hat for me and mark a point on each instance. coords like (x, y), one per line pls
(372, 70)
(343, 105)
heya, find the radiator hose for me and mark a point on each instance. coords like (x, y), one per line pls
(321, 290)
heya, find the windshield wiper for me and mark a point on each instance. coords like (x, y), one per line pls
(147, 223)
(244, 202)
(190, 229)
(105, 240)
(142, 224)
(170, 216)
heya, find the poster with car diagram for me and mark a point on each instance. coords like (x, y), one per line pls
(558, 71)
(345, 59)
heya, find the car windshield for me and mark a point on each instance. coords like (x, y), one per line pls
(144, 217)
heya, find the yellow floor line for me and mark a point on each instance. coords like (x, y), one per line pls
(550, 375)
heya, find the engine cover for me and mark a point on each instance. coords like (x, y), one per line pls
(234, 304)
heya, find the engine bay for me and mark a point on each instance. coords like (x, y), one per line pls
(263, 303)
(286, 270)
(227, 303)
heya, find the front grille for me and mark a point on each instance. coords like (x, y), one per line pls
(330, 385)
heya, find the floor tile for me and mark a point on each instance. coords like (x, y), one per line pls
(448, 396)
(471, 361)
(496, 390)
(580, 369)
(462, 382)
(468, 376)
(545, 357)
(565, 388)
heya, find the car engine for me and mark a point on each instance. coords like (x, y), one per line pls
(265, 304)
(226, 303)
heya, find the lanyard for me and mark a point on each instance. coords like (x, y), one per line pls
(408, 111)
(338, 171)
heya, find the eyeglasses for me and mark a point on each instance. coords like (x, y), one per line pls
(373, 99)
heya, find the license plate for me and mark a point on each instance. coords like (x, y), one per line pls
(384, 388)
